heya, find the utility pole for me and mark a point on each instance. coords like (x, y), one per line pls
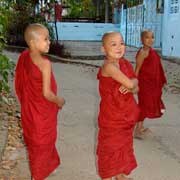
(97, 10)
(106, 11)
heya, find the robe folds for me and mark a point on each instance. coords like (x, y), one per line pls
(118, 114)
(151, 81)
(38, 116)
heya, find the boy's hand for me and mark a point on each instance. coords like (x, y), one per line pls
(123, 90)
(61, 102)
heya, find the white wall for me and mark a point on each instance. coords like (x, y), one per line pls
(171, 29)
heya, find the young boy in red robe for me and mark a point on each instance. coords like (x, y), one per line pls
(151, 78)
(118, 111)
(36, 90)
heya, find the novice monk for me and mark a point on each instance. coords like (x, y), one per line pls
(151, 81)
(36, 90)
(118, 111)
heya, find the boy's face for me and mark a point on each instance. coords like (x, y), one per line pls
(113, 46)
(148, 39)
(41, 41)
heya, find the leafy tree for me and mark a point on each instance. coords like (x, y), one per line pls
(6, 66)
(24, 11)
(81, 8)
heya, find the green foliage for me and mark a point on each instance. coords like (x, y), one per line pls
(24, 14)
(6, 69)
(131, 3)
(81, 8)
(3, 27)
(6, 66)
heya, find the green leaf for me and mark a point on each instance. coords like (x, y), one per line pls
(5, 76)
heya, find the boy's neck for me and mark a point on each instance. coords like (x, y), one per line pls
(35, 56)
(146, 47)
(111, 60)
(35, 53)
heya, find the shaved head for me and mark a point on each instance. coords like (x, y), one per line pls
(144, 32)
(108, 35)
(32, 31)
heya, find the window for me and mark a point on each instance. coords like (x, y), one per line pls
(174, 6)
(160, 6)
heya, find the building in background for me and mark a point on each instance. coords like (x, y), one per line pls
(161, 16)
(170, 29)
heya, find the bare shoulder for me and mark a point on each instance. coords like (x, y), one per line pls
(108, 68)
(45, 65)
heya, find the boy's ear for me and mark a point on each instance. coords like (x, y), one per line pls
(32, 43)
(102, 49)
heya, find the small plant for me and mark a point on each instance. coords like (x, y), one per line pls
(6, 66)
(6, 69)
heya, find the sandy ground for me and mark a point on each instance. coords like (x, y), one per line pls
(158, 155)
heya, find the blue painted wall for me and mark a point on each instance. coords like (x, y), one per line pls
(133, 20)
(165, 26)
(153, 21)
(171, 29)
(84, 31)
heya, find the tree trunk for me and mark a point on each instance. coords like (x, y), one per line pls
(97, 10)
(106, 11)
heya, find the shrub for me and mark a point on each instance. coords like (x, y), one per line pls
(24, 16)
(6, 66)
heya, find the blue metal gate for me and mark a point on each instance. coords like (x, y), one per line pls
(145, 16)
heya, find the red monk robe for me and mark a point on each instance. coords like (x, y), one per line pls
(117, 118)
(38, 116)
(151, 81)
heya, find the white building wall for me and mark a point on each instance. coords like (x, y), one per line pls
(171, 29)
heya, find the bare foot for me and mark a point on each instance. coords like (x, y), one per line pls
(54, 172)
(146, 130)
(163, 111)
(122, 177)
(138, 134)
(141, 133)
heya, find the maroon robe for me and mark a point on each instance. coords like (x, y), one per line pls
(38, 116)
(118, 115)
(151, 81)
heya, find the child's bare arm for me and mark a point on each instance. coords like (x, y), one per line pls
(139, 60)
(136, 88)
(113, 71)
(124, 90)
(47, 92)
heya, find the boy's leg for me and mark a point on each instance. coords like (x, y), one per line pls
(141, 131)
(140, 127)
(107, 179)
(138, 133)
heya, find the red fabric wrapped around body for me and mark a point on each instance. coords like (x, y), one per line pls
(151, 81)
(38, 116)
(118, 115)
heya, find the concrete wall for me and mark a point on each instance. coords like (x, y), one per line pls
(84, 31)
(171, 29)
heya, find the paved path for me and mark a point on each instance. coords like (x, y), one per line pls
(158, 155)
